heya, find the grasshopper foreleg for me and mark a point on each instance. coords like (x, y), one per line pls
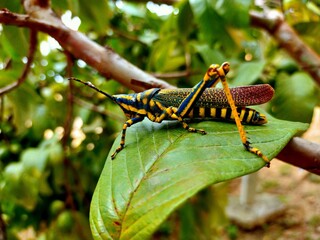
(127, 124)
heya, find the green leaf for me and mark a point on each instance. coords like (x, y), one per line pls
(295, 98)
(94, 15)
(15, 42)
(162, 165)
(14, 6)
(166, 55)
(210, 23)
(235, 12)
(209, 55)
(248, 73)
(185, 19)
(35, 158)
(23, 101)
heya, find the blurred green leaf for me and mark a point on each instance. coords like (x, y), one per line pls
(11, 75)
(35, 158)
(166, 55)
(248, 73)
(24, 182)
(185, 19)
(211, 24)
(310, 33)
(299, 11)
(23, 101)
(162, 165)
(71, 225)
(203, 216)
(41, 120)
(15, 42)
(295, 98)
(235, 12)
(14, 6)
(209, 55)
(94, 15)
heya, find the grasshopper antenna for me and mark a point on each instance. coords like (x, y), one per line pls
(89, 84)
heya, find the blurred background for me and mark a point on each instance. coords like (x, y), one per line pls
(175, 41)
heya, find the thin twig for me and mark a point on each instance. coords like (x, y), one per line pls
(127, 36)
(27, 66)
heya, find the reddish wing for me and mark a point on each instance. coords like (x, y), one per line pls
(215, 97)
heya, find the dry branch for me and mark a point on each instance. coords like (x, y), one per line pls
(104, 60)
(302, 153)
(274, 23)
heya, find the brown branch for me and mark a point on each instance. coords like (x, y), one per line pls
(168, 2)
(170, 75)
(273, 22)
(104, 60)
(69, 116)
(303, 154)
(186, 73)
(27, 66)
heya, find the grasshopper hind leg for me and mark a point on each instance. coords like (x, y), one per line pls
(257, 152)
(262, 119)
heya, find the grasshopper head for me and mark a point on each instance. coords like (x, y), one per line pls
(212, 72)
(215, 70)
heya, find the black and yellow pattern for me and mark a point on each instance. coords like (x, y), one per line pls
(200, 102)
(246, 115)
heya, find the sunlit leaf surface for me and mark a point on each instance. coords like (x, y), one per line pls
(162, 165)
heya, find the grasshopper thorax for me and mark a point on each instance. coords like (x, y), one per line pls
(135, 104)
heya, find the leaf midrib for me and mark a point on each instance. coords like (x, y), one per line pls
(158, 156)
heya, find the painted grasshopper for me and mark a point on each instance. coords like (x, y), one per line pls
(200, 102)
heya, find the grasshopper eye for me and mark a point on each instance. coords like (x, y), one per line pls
(226, 67)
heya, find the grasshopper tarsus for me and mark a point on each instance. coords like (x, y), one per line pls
(257, 152)
(203, 132)
(194, 130)
(113, 156)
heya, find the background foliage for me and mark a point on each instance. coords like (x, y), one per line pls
(52, 194)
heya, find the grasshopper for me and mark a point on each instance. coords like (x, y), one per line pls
(200, 102)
